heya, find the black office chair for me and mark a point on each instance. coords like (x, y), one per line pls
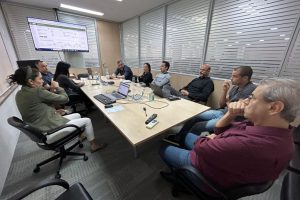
(74, 100)
(186, 177)
(82, 76)
(58, 146)
(75, 192)
(291, 182)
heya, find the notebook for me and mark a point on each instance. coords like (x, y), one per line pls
(120, 94)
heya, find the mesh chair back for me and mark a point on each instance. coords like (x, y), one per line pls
(33, 133)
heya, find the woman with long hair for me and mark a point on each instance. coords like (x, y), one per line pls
(35, 105)
(146, 77)
(62, 75)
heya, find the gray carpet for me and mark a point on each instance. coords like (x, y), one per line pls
(110, 174)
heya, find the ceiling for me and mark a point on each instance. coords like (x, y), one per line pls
(112, 9)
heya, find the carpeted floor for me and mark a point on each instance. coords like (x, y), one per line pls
(110, 174)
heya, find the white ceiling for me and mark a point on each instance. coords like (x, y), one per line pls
(112, 9)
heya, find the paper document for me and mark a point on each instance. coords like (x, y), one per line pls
(114, 109)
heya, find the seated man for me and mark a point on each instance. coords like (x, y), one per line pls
(253, 151)
(242, 88)
(46, 75)
(164, 77)
(124, 71)
(200, 88)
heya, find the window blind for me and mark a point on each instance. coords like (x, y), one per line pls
(186, 25)
(292, 67)
(91, 58)
(151, 38)
(16, 16)
(130, 36)
(250, 32)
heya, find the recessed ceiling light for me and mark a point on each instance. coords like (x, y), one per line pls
(119, 0)
(81, 9)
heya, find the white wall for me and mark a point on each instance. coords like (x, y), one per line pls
(8, 135)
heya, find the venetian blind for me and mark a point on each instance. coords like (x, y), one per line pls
(186, 26)
(151, 36)
(250, 32)
(130, 36)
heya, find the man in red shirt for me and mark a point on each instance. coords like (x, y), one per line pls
(253, 151)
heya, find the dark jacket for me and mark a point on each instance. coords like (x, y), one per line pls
(126, 71)
(200, 88)
(146, 78)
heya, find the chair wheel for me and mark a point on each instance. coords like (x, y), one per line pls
(58, 176)
(80, 145)
(85, 158)
(36, 169)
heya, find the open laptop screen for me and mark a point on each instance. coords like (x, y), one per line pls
(123, 89)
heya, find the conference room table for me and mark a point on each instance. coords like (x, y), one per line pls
(129, 115)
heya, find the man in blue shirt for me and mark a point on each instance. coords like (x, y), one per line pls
(46, 75)
(124, 71)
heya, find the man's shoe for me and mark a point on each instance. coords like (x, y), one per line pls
(173, 140)
(168, 176)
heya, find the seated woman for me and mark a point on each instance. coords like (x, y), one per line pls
(61, 75)
(146, 77)
(34, 103)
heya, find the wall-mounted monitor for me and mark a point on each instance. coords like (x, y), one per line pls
(25, 63)
(58, 36)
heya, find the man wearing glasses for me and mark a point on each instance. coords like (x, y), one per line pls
(206, 121)
(255, 150)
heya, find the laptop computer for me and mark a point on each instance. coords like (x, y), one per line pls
(120, 94)
(157, 90)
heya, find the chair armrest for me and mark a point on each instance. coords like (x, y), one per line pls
(202, 178)
(62, 127)
(28, 190)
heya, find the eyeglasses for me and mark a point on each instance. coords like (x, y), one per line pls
(251, 96)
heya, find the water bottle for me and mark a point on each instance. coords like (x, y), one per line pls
(106, 73)
(151, 96)
(96, 77)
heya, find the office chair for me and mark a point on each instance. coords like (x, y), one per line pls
(186, 177)
(291, 182)
(75, 192)
(58, 146)
(82, 76)
(74, 100)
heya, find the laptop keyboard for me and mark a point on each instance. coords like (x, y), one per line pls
(117, 95)
(104, 99)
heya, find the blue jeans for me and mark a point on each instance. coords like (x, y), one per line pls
(205, 121)
(176, 157)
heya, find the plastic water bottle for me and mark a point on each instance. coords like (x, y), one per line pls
(151, 96)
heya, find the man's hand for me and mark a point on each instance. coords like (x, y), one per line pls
(237, 108)
(80, 84)
(211, 136)
(184, 92)
(226, 85)
(61, 111)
